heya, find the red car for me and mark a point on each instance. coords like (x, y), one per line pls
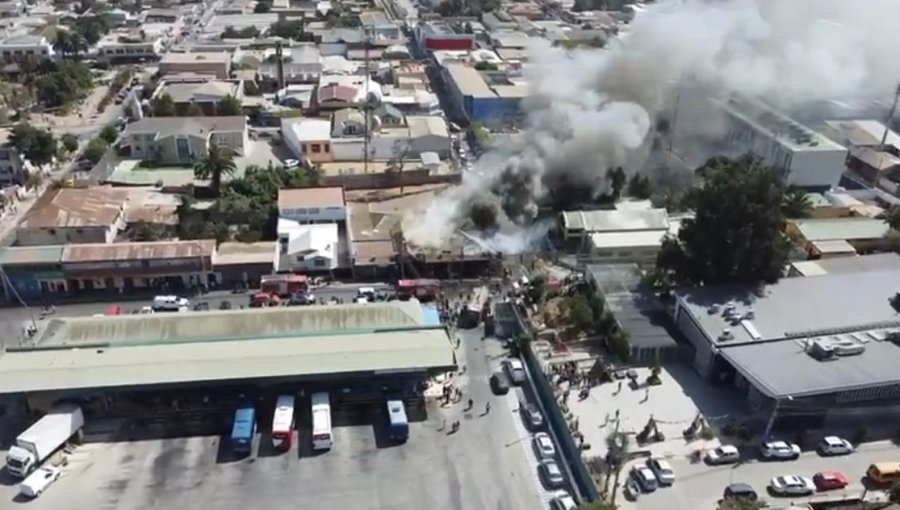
(828, 480)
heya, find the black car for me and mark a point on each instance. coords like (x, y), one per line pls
(740, 491)
(500, 383)
(225, 305)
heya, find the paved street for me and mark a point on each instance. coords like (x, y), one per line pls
(700, 486)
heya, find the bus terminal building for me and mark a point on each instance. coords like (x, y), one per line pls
(110, 364)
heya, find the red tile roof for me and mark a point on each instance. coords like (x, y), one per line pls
(335, 92)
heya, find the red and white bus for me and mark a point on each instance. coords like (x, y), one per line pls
(283, 422)
(421, 289)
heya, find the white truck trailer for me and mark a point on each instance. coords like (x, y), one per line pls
(43, 438)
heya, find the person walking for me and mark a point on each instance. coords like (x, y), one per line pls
(487, 408)
(471, 404)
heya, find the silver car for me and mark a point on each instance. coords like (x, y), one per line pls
(543, 446)
(551, 474)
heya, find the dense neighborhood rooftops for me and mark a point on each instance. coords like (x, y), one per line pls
(329, 196)
(75, 207)
(469, 81)
(218, 57)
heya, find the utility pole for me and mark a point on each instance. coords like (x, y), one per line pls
(890, 117)
(367, 107)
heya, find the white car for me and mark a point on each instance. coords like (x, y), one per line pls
(724, 454)
(37, 482)
(833, 445)
(645, 478)
(543, 446)
(662, 469)
(515, 370)
(291, 163)
(779, 450)
(562, 501)
(792, 486)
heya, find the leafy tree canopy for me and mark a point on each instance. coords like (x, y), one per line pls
(109, 133)
(164, 106)
(244, 33)
(796, 204)
(736, 235)
(639, 187)
(66, 82)
(36, 145)
(95, 149)
(229, 105)
(69, 142)
(262, 7)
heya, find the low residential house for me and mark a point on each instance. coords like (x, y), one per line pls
(349, 122)
(12, 165)
(73, 215)
(617, 236)
(204, 93)
(313, 205)
(216, 64)
(307, 248)
(16, 48)
(822, 238)
(335, 97)
(131, 45)
(388, 115)
(180, 140)
(428, 134)
(308, 139)
(161, 16)
(302, 64)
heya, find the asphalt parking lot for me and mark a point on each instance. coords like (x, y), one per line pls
(432, 470)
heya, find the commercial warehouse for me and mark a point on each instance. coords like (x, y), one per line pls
(99, 359)
(822, 344)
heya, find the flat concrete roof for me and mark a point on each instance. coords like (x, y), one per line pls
(128, 366)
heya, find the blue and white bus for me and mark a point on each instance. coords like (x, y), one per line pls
(244, 429)
(398, 424)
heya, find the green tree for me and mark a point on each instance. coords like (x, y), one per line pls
(736, 235)
(482, 135)
(214, 166)
(164, 106)
(892, 217)
(69, 142)
(484, 65)
(95, 149)
(617, 178)
(579, 313)
(796, 204)
(194, 110)
(109, 133)
(290, 29)
(58, 84)
(262, 7)
(639, 187)
(36, 145)
(142, 231)
(228, 106)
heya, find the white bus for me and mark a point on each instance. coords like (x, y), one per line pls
(321, 418)
(283, 422)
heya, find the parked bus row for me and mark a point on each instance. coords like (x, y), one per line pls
(284, 423)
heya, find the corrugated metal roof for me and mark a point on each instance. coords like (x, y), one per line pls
(616, 220)
(27, 255)
(74, 207)
(842, 229)
(68, 369)
(329, 196)
(245, 253)
(233, 325)
(138, 251)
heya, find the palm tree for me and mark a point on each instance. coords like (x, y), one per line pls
(617, 178)
(216, 164)
(796, 204)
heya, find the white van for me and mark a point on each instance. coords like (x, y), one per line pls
(38, 481)
(170, 303)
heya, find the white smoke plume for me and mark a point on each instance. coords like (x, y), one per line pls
(591, 110)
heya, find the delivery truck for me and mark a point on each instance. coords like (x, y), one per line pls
(43, 438)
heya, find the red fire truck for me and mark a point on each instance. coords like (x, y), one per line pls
(422, 289)
(284, 285)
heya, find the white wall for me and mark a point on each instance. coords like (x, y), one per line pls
(315, 214)
(817, 168)
(381, 148)
(290, 138)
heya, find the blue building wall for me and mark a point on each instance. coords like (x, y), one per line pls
(27, 285)
(487, 109)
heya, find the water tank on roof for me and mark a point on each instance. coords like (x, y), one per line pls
(820, 350)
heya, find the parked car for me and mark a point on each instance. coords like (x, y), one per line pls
(724, 454)
(291, 163)
(792, 486)
(645, 478)
(38, 481)
(500, 383)
(740, 491)
(551, 474)
(515, 370)
(543, 446)
(302, 299)
(562, 500)
(779, 450)
(531, 415)
(829, 480)
(833, 445)
(662, 469)
(225, 305)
